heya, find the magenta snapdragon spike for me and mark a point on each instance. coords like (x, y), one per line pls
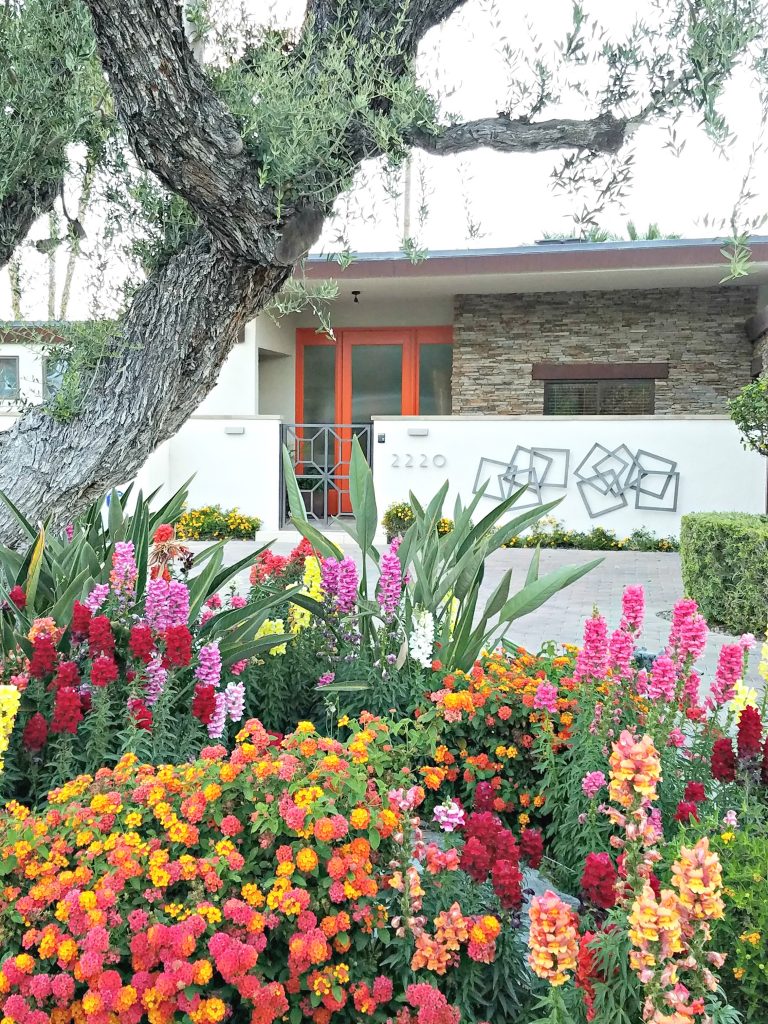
(633, 608)
(390, 588)
(688, 635)
(730, 666)
(545, 698)
(592, 783)
(592, 659)
(156, 605)
(97, 596)
(156, 679)
(69, 530)
(346, 595)
(329, 573)
(661, 685)
(621, 648)
(234, 695)
(326, 679)
(209, 665)
(178, 603)
(219, 716)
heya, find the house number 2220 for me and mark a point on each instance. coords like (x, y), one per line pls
(410, 461)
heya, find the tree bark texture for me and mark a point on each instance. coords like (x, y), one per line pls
(20, 209)
(178, 332)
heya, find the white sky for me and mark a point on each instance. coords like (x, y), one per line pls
(511, 198)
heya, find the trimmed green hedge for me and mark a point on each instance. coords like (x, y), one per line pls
(724, 562)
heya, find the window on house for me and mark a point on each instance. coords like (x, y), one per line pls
(53, 375)
(599, 397)
(9, 377)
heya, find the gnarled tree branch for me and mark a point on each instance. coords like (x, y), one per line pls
(603, 134)
(19, 210)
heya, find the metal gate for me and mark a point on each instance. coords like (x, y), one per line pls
(320, 453)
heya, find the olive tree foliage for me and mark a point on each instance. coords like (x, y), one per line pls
(220, 144)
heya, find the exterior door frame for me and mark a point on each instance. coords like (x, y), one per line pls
(411, 338)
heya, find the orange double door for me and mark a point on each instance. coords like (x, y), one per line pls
(344, 382)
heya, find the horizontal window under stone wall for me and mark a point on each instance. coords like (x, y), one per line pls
(699, 332)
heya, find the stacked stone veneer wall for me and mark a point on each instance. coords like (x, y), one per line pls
(699, 332)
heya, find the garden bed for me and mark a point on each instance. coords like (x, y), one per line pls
(331, 797)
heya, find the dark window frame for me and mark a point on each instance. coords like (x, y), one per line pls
(602, 389)
(17, 395)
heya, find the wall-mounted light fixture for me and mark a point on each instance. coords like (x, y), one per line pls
(356, 295)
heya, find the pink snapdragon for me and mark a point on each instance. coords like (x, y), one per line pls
(390, 587)
(621, 648)
(326, 679)
(730, 666)
(237, 601)
(234, 696)
(97, 597)
(633, 608)
(167, 604)
(340, 582)
(124, 572)
(69, 531)
(663, 679)
(592, 783)
(219, 716)
(592, 659)
(156, 679)
(688, 635)
(208, 669)
(545, 698)
(449, 816)
(239, 667)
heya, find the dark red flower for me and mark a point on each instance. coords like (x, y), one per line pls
(507, 883)
(35, 733)
(749, 732)
(44, 656)
(81, 620)
(178, 647)
(599, 880)
(67, 675)
(67, 713)
(723, 763)
(141, 714)
(103, 671)
(86, 701)
(140, 643)
(532, 846)
(484, 796)
(18, 596)
(100, 637)
(163, 534)
(587, 973)
(695, 792)
(475, 859)
(686, 810)
(204, 702)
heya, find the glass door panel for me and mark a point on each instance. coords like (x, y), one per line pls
(377, 381)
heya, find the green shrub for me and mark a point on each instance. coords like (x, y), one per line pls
(399, 516)
(724, 560)
(749, 411)
(551, 533)
(211, 522)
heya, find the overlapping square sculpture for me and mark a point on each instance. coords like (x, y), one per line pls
(607, 478)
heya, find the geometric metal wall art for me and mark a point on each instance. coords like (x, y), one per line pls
(607, 478)
(536, 469)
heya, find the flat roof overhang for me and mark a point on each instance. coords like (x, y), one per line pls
(600, 266)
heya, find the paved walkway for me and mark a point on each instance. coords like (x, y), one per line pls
(562, 617)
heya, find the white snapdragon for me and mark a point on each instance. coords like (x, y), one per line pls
(422, 638)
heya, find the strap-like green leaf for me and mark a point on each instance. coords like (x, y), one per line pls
(22, 520)
(533, 569)
(35, 566)
(363, 500)
(535, 594)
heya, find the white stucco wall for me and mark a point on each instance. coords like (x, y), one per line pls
(716, 474)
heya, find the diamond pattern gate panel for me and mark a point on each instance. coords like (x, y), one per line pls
(321, 453)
